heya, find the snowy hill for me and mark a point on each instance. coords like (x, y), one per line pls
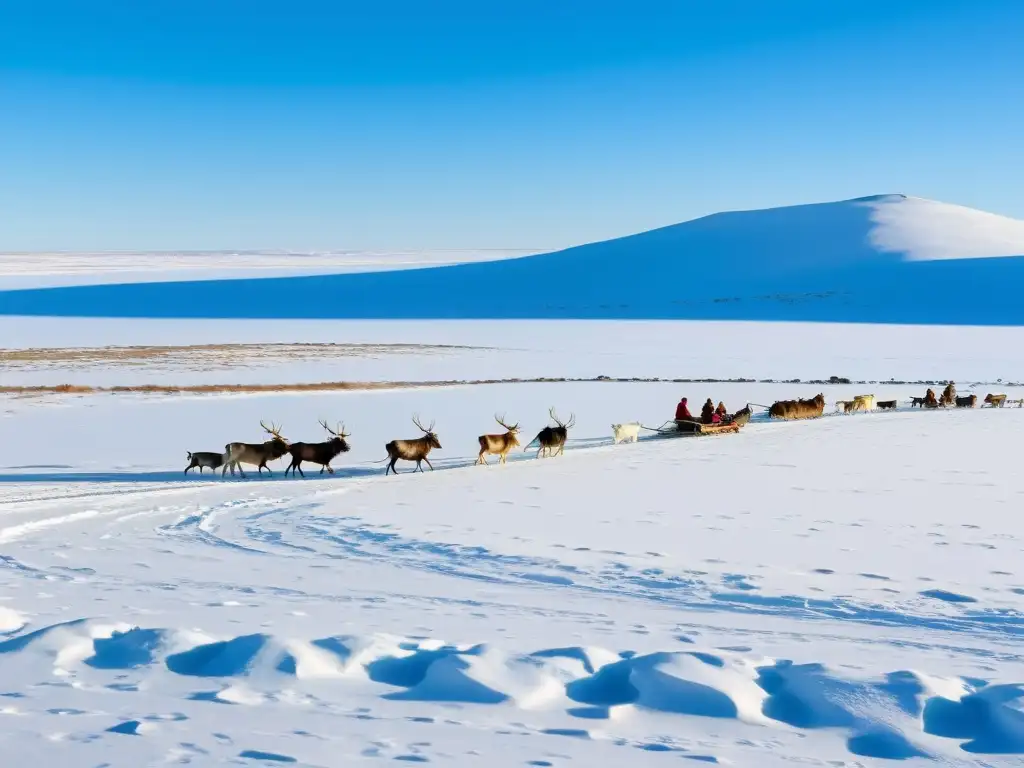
(883, 259)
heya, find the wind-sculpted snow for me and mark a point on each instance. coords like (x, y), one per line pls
(894, 715)
(883, 259)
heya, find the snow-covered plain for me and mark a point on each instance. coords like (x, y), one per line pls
(846, 591)
(830, 592)
(444, 351)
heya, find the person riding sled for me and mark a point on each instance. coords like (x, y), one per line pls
(683, 411)
(708, 415)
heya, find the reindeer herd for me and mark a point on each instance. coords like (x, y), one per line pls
(551, 439)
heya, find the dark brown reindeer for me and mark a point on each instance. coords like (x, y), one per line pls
(499, 444)
(552, 439)
(413, 450)
(203, 459)
(258, 454)
(318, 453)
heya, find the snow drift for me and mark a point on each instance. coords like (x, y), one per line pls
(883, 259)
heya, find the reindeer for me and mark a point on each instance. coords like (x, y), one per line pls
(499, 444)
(413, 450)
(318, 453)
(204, 459)
(552, 439)
(259, 454)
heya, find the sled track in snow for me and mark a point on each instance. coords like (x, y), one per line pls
(288, 524)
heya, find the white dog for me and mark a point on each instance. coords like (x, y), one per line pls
(626, 432)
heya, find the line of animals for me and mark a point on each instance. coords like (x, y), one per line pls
(814, 407)
(551, 439)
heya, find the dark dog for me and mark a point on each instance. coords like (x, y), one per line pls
(203, 459)
(889, 404)
(967, 402)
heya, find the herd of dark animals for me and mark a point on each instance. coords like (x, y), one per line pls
(551, 439)
(814, 407)
(950, 398)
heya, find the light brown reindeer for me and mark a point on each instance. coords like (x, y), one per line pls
(552, 439)
(499, 444)
(255, 453)
(413, 450)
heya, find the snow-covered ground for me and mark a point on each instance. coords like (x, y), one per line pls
(839, 592)
(443, 351)
(827, 592)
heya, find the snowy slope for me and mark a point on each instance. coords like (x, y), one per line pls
(925, 230)
(879, 259)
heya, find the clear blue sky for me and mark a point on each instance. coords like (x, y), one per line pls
(196, 124)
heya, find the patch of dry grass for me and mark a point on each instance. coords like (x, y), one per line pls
(203, 356)
(212, 389)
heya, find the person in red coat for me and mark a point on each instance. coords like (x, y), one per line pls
(682, 412)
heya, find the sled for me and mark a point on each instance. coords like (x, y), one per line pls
(686, 428)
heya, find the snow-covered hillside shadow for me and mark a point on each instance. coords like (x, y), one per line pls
(867, 260)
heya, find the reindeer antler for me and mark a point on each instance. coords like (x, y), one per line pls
(501, 421)
(272, 429)
(425, 430)
(323, 423)
(341, 430)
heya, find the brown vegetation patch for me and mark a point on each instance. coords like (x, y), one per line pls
(213, 389)
(203, 356)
